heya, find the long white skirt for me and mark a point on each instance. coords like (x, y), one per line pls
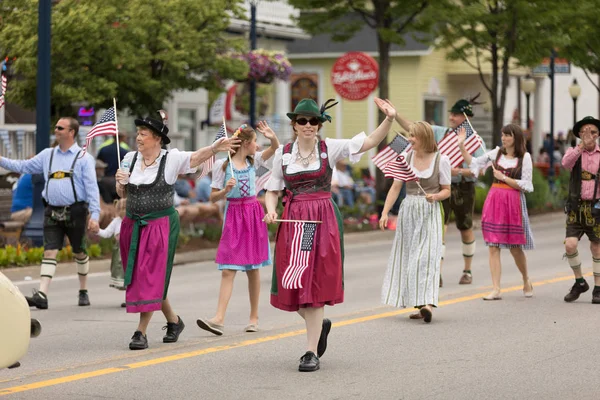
(413, 274)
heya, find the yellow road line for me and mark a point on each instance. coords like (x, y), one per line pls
(245, 343)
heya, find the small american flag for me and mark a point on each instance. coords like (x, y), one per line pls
(449, 144)
(397, 146)
(303, 240)
(208, 164)
(2, 89)
(106, 126)
(262, 176)
(400, 170)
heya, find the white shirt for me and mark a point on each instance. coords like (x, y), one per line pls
(445, 171)
(218, 175)
(337, 149)
(112, 230)
(485, 161)
(178, 162)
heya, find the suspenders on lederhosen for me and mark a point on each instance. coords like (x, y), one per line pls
(60, 175)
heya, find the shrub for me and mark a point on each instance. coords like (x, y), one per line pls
(539, 199)
(481, 192)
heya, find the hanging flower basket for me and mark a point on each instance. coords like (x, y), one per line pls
(266, 66)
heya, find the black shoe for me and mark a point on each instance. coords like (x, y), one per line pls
(596, 295)
(123, 305)
(322, 346)
(173, 330)
(309, 362)
(576, 291)
(15, 365)
(38, 300)
(84, 299)
(138, 341)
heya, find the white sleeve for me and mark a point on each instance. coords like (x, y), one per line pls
(338, 149)
(218, 175)
(178, 162)
(445, 171)
(260, 162)
(276, 182)
(113, 229)
(526, 181)
(481, 163)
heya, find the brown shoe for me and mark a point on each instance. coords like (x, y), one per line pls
(416, 315)
(441, 281)
(426, 313)
(466, 279)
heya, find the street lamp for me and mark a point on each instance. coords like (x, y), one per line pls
(574, 91)
(253, 4)
(528, 86)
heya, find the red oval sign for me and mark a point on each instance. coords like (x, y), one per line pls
(355, 75)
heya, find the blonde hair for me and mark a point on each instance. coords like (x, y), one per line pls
(245, 134)
(423, 131)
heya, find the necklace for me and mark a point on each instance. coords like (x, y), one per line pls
(148, 165)
(305, 161)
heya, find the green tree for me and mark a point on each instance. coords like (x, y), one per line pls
(137, 51)
(583, 34)
(390, 20)
(496, 33)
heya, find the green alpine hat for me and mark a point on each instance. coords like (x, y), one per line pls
(310, 108)
(462, 106)
(587, 120)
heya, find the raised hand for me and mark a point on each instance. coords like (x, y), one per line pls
(266, 130)
(462, 135)
(386, 107)
(226, 144)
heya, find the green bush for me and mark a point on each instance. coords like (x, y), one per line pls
(540, 198)
(481, 192)
(94, 251)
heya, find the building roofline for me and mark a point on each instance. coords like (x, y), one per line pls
(408, 53)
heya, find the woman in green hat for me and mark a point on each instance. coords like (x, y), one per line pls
(308, 268)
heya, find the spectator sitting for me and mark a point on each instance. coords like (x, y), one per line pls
(543, 157)
(22, 200)
(108, 155)
(184, 188)
(191, 213)
(367, 189)
(203, 188)
(344, 183)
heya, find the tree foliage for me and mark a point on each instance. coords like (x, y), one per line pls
(497, 33)
(138, 51)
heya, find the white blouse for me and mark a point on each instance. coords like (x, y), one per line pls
(112, 230)
(445, 171)
(178, 162)
(480, 164)
(337, 149)
(218, 175)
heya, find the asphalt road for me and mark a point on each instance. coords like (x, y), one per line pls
(516, 348)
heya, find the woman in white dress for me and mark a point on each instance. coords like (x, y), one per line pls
(413, 273)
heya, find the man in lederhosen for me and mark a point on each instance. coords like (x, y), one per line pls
(70, 194)
(462, 197)
(583, 207)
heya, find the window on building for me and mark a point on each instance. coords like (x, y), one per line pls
(434, 111)
(304, 86)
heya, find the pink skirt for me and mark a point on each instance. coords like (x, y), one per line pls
(245, 238)
(502, 217)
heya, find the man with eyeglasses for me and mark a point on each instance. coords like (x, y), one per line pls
(70, 194)
(583, 205)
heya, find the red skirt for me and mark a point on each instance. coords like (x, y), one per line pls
(320, 281)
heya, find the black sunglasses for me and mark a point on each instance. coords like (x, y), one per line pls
(60, 128)
(314, 121)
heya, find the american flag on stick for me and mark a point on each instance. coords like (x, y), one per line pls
(400, 170)
(2, 89)
(262, 176)
(105, 127)
(449, 144)
(208, 164)
(302, 245)
(396, 147)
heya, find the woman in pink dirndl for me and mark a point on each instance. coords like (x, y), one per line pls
(505, 221)
(244, 245)
(150, 228)
(308, 269)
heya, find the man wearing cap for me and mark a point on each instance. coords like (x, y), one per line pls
(462, 197)
(583, 205)
(150, 228)
(70, 194)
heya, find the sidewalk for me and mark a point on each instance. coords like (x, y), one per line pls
(66, 269)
